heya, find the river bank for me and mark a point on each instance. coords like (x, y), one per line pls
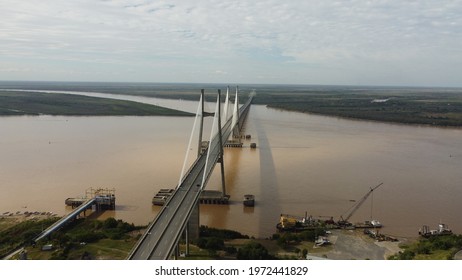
(8, 219)
(16, 103)
(109, 239)
(81, 241)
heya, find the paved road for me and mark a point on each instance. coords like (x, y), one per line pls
(163, 233)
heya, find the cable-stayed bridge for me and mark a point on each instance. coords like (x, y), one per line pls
(161, 238)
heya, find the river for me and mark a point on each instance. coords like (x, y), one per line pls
(303, 163)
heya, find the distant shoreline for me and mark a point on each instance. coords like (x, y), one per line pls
(368, 120)
(422, 106)
(33, 103)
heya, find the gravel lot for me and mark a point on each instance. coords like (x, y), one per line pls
(354, 245)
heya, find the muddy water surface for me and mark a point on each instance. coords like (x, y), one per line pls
(303, 163)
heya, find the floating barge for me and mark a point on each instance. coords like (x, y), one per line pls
(162, 196)
(293, 223)
(368, 224)
(375, 234)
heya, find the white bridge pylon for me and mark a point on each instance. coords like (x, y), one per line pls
(225, 113)
(199, 113)
(214, 131)
(235, 114)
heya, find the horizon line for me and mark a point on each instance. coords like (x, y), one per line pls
(230, 84)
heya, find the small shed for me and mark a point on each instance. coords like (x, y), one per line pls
(47, 247)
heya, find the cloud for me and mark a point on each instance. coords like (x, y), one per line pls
(220, 72)
(21, 70)
(272, 36)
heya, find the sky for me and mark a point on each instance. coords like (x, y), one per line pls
(349, 42)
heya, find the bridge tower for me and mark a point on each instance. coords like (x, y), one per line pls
(193, 226)
(235, 124)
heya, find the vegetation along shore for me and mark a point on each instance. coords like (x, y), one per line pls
(113, 239)
(14, 103)
(421, 106)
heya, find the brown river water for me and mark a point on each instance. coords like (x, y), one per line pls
(303, 163)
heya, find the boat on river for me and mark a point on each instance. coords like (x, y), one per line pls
(443, 229)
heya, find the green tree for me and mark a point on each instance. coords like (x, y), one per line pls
(201, 243)
(423, 248)
(110, 223)
(253, 251)
(214, 243)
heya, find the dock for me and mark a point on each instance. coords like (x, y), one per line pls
(206, 197)
(213, 197)
(104, 199)
(233, 144)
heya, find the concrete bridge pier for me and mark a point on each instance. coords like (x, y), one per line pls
(192, 227)
(194, 223)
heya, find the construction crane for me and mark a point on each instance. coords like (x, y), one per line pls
(354, 208)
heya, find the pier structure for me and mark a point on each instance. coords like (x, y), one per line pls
(206, 197)
(98, 199)
(104, 199)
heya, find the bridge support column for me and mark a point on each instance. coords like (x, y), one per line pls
(223, 186)
(187, 239)
(194, 224)
(176, 253)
